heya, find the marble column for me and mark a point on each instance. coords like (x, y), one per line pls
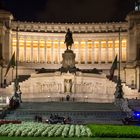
(86, 51)
(99, 60)
(107, 51)
(126, 50)
(113, 53)
(45, 50)
(120, 50)
(79, 43)
(17, 45)
(31, 58)
(9, 42)
(25, 48)
(59, 52)
(92, 52)
(38, 48)
(52, 46)
(4, 54)
(6, 37)
(11, 51)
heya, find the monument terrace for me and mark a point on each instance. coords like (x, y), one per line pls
(41, 46)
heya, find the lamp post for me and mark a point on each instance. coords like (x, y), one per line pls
(17, 56)
(119, 92)
(2, 61)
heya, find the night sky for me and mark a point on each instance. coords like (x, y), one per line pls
(69, 10)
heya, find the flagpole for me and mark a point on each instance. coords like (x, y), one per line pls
(119, 92)
(12, 74)
(119, 67)
(17, 53)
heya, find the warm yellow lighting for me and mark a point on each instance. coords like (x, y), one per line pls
(28, 41)
(117, 44)
(49, 41)
(13, 44)
(96, 44)
(42, 41)
(49, 44)
(89, 44)
(124, 41)
(61, 42)
(35, 46)
(21, 41)
(88, 49)
(28, 45)
(103, 44)
(110, 44)
(82, 42)
(55, 46)
(76, 42)
(110, 41)
(35, 41)
(21, 46)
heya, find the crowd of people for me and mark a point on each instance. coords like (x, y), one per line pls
(53, 119)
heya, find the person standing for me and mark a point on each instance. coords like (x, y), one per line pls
(19, 94)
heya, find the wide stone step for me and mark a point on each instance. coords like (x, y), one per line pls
(87, 115)
(79, 112)
(69, 106)
(74, 120)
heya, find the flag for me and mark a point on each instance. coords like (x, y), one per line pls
(113, 67)
(11, 63)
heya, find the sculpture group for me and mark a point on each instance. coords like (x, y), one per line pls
(68, 39)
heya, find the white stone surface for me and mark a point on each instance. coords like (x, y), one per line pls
(85, 87)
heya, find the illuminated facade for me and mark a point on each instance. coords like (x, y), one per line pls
(44, 43)
(95, 45)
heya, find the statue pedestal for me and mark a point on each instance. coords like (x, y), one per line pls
(68, 60)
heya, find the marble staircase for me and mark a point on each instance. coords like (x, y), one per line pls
(106, 113)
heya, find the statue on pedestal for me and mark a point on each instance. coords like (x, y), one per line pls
(68, 39)
(68, 85)
(68, 62)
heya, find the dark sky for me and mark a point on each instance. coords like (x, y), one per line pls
(69, 10)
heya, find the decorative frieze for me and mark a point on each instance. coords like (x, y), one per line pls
(74, 27)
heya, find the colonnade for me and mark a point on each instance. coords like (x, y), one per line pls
(46, 50)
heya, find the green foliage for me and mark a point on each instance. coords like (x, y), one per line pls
(31, 129)
(58, 138)
(115, 131)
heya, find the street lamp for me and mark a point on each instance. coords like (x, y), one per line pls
(2, 61)
(119, 91)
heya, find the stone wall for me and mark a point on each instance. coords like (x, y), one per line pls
(83, 87)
